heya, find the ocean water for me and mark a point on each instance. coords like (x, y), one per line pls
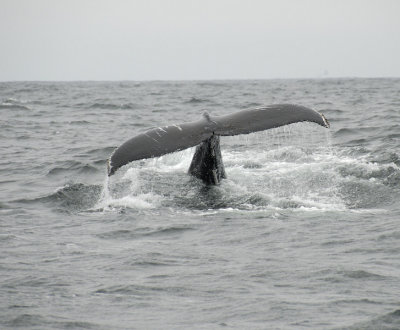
(304, 232)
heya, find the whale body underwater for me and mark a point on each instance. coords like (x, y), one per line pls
(205, 133)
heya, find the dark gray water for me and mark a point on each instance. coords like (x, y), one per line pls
(304, 233)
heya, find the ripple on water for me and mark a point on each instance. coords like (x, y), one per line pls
(388, 321)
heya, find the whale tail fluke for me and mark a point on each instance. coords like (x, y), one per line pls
(159, 141)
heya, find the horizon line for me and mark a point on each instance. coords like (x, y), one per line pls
(194, 80)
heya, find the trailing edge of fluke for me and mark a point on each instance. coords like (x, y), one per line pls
(203, 133)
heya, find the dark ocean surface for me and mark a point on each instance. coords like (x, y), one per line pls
(304, 232)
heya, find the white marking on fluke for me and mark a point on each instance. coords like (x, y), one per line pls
(325, 120)
(155, 140)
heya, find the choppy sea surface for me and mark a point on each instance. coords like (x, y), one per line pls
(304, 232)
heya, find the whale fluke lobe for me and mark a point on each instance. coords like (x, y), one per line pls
(207, 161)
(260, 119)
(159, 141)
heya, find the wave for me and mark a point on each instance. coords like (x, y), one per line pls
(216, 83)
(71, 198)
(100, 151)
(363, 130)
(387, 174)
(79, 122)
(196, 100)
(25, 320)
(362, 274)
(94, 162)
(137, 290)
(13, 107)
(145, 232)
(13, 104)
(69, 167)
(112, 106)
(387, 321)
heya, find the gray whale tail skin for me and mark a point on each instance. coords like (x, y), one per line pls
(205, 133)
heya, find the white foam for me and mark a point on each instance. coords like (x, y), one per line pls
(135, 199)
(141, 201)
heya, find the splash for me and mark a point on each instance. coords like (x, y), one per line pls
(290, 168)
(125, 194)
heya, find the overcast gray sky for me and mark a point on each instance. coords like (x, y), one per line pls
(198, 39)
